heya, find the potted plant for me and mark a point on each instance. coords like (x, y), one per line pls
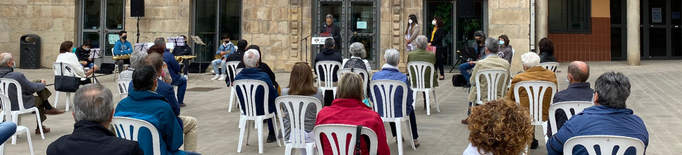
(469, 26)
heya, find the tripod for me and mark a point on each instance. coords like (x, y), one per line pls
(199, 77)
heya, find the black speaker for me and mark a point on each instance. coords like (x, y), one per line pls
(137, 8)
(198, 67)
(466, 8)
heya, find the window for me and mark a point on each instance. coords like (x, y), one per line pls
(212, 19)
(569, 16)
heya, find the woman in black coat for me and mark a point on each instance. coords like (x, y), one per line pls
(437, 36)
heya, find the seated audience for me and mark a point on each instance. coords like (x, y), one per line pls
(236, 56)
(491, 61)
(608, 116)
(183, 50)
(161, 49)
(533, 72)
(390, 71)
(546, 50)
(328, 53)
(262, 66)
(222, 53)
(301, 83)
(136, 61)
(28, 88)
(66, 57)
(499, 127)
(506, 50)
(83, 54)
(578, 90)
(93, 111)
(422, 55)
(357, 51)
(174, 70)
(252, 72)
(479, 47)
(349, 109)
(143, 103)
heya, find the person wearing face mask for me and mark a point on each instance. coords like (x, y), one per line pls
(66, 57)
(183, 50)
(84, 59)
(578, 90)
(412, 32)
(221, 55)
(333, 30)
(123, 47)
(506, 50)
(479, 46)
(437, 36)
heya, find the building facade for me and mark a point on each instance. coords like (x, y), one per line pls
(588, 30)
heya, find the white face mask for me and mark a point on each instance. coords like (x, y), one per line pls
(409, 21)
(569, 82)
(433, 22)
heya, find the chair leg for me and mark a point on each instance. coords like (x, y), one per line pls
(28, 138)
(310, 150)
(40, 124)
(232, 91)
(242, 127)
(435, 99)
(428, 103)
(409, 132)
(248, 132)
(399, 136)
(68, 99)
(259, 124)
(287, 151)
(56, 99)
(414, 97)
(274, 123)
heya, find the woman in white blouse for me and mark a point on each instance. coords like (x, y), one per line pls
(66, 56)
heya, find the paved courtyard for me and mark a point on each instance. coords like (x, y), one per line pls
(654, 87)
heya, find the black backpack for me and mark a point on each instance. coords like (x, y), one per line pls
(458, 80)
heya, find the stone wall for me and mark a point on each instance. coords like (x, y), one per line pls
(511, 17)
(52, 20)
(266, 23)
(163, 18)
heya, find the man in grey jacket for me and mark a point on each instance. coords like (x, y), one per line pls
(28, 88)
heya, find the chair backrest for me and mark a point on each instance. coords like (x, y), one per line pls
(231, 68)
(5, 86)
(418, 70)
(576, 106)
(247, 89)
(296, 107)
(123, 87)
(550, 66)
(129, 128)
(7, 112)
(606, 144)
(387, 94)
(493, 77)
(68, 69)
(536, 95)
(236, 72)
(341, 132)
(327, 68)
(363, 73)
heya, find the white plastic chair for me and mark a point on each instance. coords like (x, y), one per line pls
(20, 129)
(342, 131)
(418, 70)
(327, 68)
(387, 91)
(606, 144)
(577, 106)
(492, 78)
(233, 94)
(231, 68)
(550, 66)
(248, 89)
(123, 87)
(363, 73)
(296, 107)
(122, 126)
(5, 86)
(536, 95)
(68, 69)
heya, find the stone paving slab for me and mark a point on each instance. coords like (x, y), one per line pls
(655, 98)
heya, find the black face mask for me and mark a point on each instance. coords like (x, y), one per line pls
(125, 37)
(478, 41)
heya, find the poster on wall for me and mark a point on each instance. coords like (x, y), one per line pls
(362, 25)
(656, 15)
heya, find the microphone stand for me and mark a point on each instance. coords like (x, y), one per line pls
(304, 41)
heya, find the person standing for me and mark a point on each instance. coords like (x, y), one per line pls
(413, 30)
(122, 47)
(437, 36)
(333, 30)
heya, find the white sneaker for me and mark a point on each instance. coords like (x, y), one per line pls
(222, 77)
(216, 77)
(212, 72)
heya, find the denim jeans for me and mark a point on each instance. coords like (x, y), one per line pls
(7, 129)
(464, 69)
(182, 86)
(215, 66)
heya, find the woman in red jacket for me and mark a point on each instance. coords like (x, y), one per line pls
(349, 109)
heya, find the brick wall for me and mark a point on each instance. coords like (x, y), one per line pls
(595, 46)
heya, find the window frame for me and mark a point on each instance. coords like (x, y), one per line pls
(565, 24)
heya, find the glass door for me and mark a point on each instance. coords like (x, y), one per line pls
(361, 23)
(213, 19)
(662, 29)
(676, 21)
(100, 22)
(658, 29)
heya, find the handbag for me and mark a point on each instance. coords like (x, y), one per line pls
(431, 49)
(357, 140)
(66, 83)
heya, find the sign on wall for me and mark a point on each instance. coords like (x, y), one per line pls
(656, 15)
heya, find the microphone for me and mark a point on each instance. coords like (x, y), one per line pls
(323, 28)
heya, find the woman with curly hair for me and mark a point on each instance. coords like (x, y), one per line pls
(499, 127)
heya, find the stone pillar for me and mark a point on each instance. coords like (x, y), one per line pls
(541, 26)
(633, 32)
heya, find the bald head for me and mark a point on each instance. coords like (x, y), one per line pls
(578, 71)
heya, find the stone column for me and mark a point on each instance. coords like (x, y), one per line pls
(541, 15)
(633, 32)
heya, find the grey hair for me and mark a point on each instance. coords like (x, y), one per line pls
(159, 41)
(251, 58)
(330, 16)
(357, 49)
(422, 41)
(392, 57)
(492, 45)
(613, 89)
(4, 59)
(93, 102)
(530, 59)
(137, 59)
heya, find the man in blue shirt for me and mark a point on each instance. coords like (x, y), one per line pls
(578, 90)
(122, 47)
(252, 72)
(174, 70)
(608, 116)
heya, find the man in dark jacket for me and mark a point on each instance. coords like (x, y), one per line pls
(83, 54)
(252, 72)
(174, 71)
(578, 90)
(183, 50)
(93, 110)
(28, 88)
(333, 30)
(236, 56)
(328, 53)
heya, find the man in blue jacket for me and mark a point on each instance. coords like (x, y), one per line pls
(252, 72)
(143, 103)
(122, 47)
(174, 70)
(578, 90)
(608, 116)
